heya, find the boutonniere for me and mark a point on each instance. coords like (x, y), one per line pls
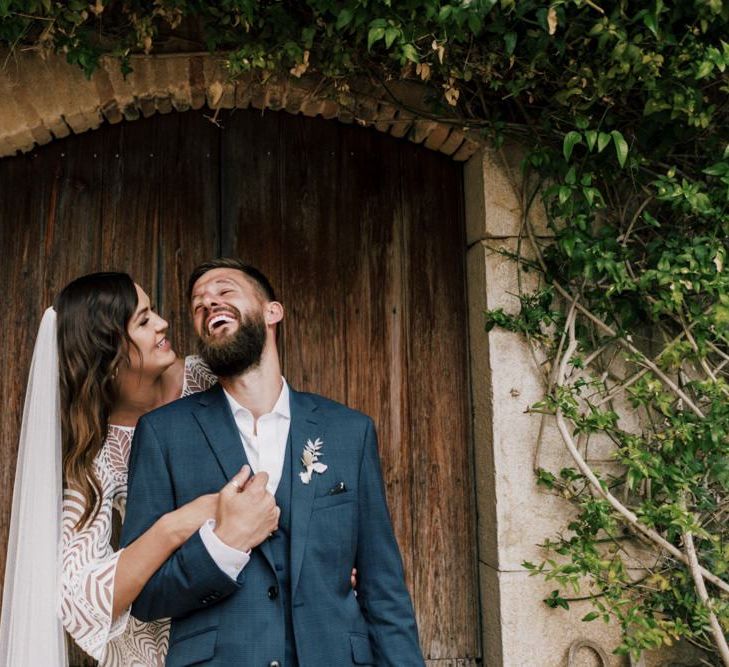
(310, 460)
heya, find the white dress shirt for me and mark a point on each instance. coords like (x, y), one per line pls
(264, 442)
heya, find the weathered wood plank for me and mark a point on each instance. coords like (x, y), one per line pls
(26, 214)
(189, 214)
(444, 526)
(311, 287)
(371, 248)
(133, 169)
(252, 229)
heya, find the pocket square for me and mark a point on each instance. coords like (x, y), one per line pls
(339, 487)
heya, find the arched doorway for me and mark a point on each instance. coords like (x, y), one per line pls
(362, 236)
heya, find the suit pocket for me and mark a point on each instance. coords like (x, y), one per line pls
(192, 649)
(331, 501)
(361, 650)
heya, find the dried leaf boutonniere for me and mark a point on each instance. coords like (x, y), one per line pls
(310, 460)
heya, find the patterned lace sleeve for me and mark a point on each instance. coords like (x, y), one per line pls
(88, 569)
(198, 377)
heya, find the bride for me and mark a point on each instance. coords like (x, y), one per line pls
(101, 361)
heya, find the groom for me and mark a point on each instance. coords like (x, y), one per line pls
(267, 583)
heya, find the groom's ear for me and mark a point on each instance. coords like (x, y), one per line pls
(273, 312)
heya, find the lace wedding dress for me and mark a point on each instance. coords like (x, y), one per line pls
(89, 560)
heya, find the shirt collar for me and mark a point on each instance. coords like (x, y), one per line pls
(282, 406)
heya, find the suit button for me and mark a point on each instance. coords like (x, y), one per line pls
(272, 595)
(274, 663)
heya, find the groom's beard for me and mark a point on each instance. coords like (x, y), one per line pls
(237, 353)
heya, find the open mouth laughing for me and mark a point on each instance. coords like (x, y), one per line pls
(218, 320)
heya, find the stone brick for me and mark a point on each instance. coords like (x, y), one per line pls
(365, 110)
(178, 85)
(401, 124)
(345, 116)
(243, 92)
(296, 96)
(420, 130)
(83, 121)
(59, 127)
(278, 95)
(147, 106)
(123, 88)
(142, 77)
(312, 107)
(259, 98)
(437, 137)
(329, 110)
(163, 104)
(453, 142)
(466, 150)
(196, 77)
(20, 141)
(111, 112)
(385, 113)
(501, 182)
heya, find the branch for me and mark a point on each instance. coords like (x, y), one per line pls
(645, 361)
(585, 469)
(694, 567)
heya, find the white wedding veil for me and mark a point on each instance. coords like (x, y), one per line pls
(31, 634)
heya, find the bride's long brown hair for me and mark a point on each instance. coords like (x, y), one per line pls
(93, 313)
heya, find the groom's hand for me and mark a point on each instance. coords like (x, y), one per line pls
(247, 513)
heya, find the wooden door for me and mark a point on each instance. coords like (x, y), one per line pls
(363, 238)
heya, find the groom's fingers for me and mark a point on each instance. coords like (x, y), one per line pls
(259, 481)
(237, 483)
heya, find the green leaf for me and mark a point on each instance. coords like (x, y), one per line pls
(345, 18)
(571, 139)
(510, 42)
(410, 53)
(475, 23)
(375, 34)
(651, 23)
(621, 147)
(705, 68)
(391, 33)
(591, 138)
(603, 139)
(591, 616)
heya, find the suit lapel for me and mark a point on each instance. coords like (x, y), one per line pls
(214, 416)
(221, 431)
(306, 424)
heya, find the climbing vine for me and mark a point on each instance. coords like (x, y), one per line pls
(623, 106)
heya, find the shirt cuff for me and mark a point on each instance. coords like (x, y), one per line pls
(229, 560)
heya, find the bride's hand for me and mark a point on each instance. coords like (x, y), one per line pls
(186, 520)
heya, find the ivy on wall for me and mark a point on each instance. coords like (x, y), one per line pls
(624, 108)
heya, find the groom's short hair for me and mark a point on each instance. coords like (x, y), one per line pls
(260, 282)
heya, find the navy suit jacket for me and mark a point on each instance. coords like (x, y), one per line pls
(191, 447)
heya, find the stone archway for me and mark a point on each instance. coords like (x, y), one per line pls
(42, 99)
